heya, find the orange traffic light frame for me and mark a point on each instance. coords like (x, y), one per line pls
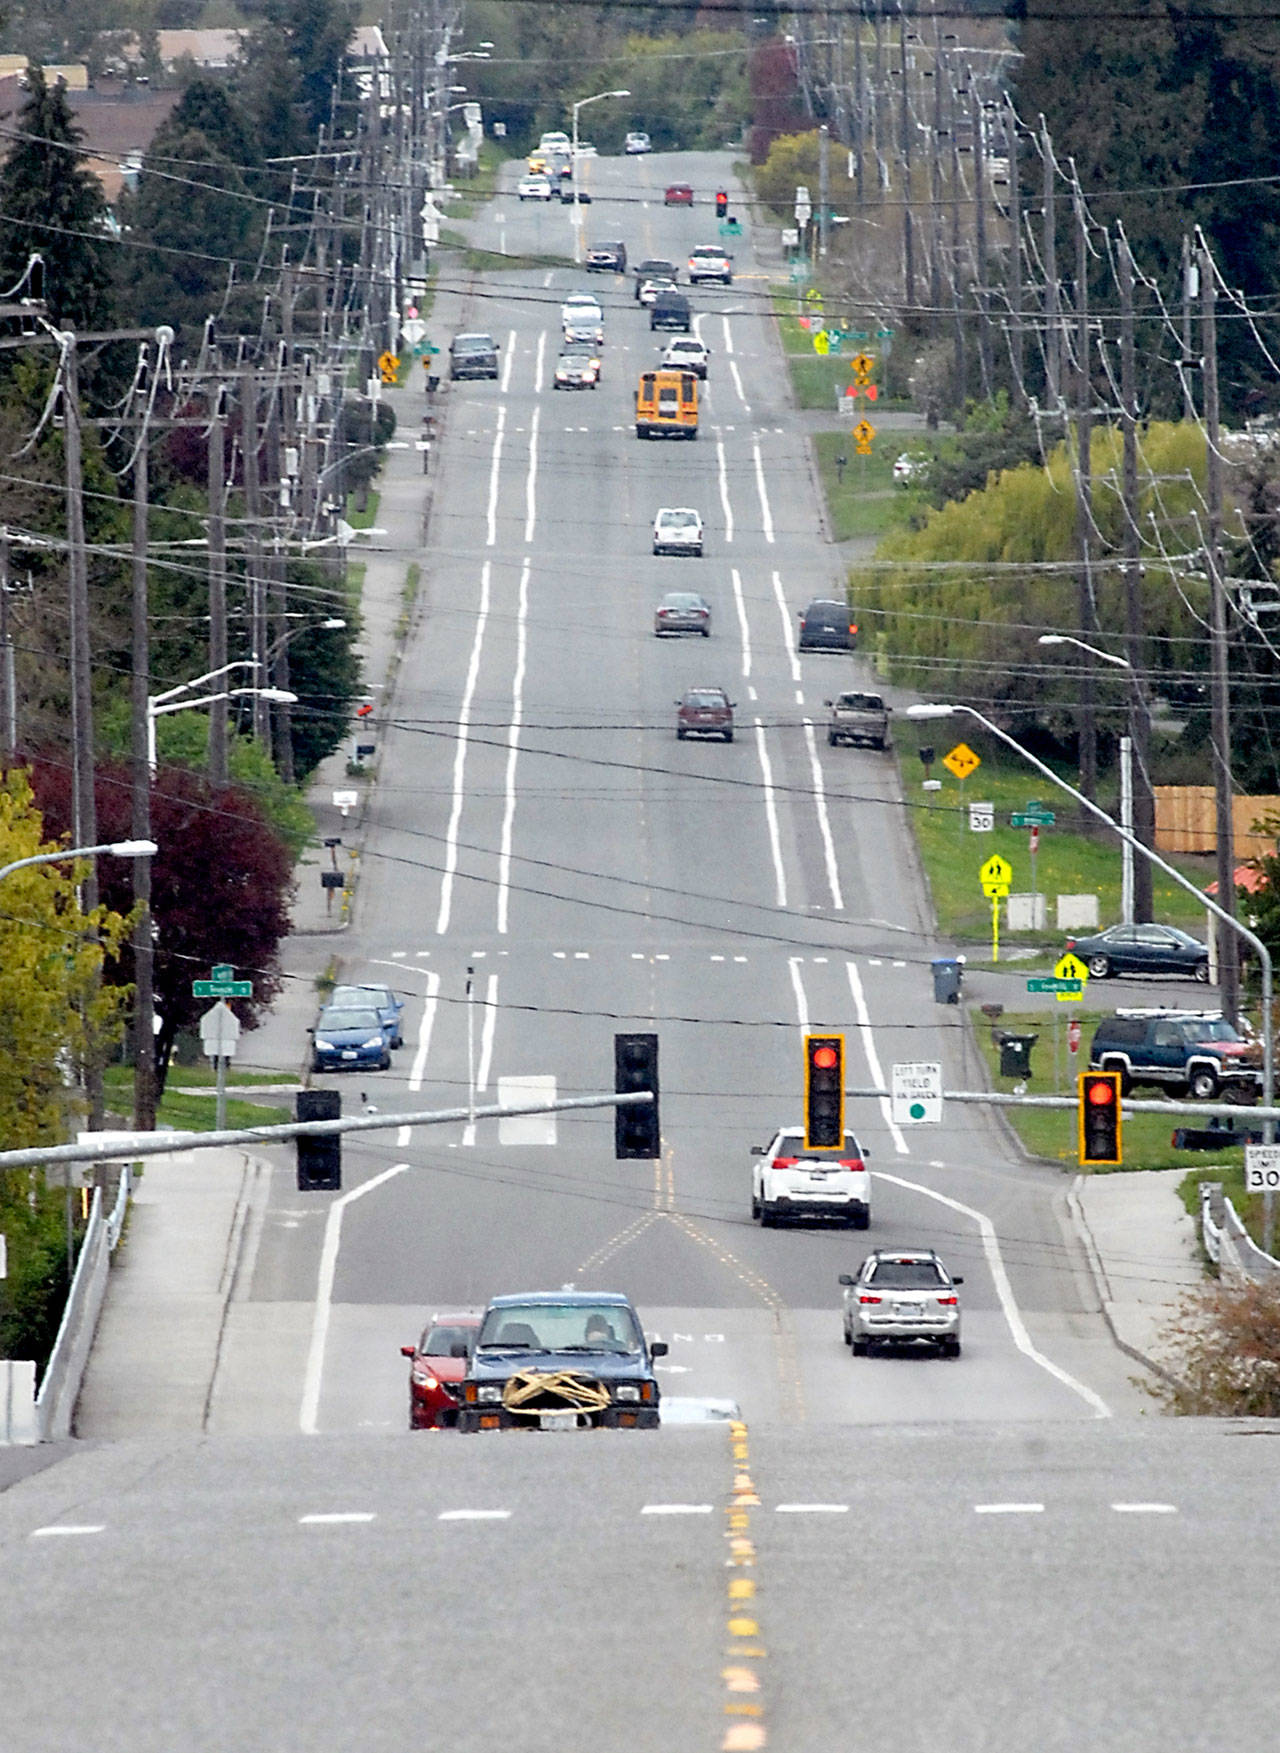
(1099, 1118)
(823, 1092)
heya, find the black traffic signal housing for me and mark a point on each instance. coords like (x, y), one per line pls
(636, 1130)
(1099, 1111)
(823, 1092)
(319, 1157)
(722, 203)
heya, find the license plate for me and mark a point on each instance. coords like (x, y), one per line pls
(558, 1421)
(348, 1052)
(907, 1311)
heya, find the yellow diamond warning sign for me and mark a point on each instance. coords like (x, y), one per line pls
(961, 761)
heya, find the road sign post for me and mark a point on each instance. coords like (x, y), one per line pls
(996, 877)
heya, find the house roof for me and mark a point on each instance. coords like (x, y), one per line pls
(113, 127)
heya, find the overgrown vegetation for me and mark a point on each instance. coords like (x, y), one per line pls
(1226, 1345)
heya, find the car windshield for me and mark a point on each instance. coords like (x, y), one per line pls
(862, 702)
(654, 266)
(906, 1275)
(440, 1341)
(792, 1144)
(356, 997)
(703, 699)
(680, 519)
(677, 599)
(473, 344)
(349, 1019)
(1211, 1029)
(599, 1327)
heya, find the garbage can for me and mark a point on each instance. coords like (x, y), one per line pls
(1015, 1054)
(948, 977)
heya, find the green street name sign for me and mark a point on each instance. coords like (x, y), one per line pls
(1051, 983)
(1033, 819)
(222, 984)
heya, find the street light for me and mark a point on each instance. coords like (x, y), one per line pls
(1068, 639)
(116, 848)
(948, 710)
(581, 104)
(159, 705)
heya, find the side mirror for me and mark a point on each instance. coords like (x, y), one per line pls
(408, 1351)
(758, 1149)
(957, 1278)
(846, 1278)
(826, 703)
(659, 1348)
(888, 708)
(866, 1154)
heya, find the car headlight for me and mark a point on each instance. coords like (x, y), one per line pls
(423, 1377)
(325, 1046)
(489, 1394)
(626, 1391)
(374, 1040)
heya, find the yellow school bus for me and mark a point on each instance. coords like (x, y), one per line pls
(667, 403)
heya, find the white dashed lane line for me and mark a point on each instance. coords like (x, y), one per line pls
(60, 1529)
(1145, 1509)
(810, 1509)
(474, 1516)
(676, 1509)
(336, 1518)
(1008, 1509)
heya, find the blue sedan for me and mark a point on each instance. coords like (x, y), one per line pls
(1142, 949)
(348, 1039)
(388, 1004)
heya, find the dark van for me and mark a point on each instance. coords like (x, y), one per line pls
(473, 356)
(828, 626)
(670, 310)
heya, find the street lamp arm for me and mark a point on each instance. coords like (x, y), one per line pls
(244, 663)
(117, 848)
(1121, 663)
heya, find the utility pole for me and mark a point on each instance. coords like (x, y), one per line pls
(908, 229)
(84, 812)
(249, 444)
(961, 361)
(1220, 698)
(144, 1044)
(1017, 356)
(1144, 823)
(1190, 274)
(218, 754)
(7, 674)
(824, 188)
(1088, 716)
(979, 119)
(1052, 338)
(859, 109)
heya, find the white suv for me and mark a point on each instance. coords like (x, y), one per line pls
(789, 1181)
(901, 1296)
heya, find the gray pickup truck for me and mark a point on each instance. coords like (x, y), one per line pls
(858, 718)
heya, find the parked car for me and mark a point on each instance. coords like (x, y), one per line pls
(534, 188)
(605, 258)
(789, 1181)
(1194, 1053)
(635, 143)
(827, 626)
(857, 717)
(677, 530)
(473, 356)
(910, 466)
(349, 1038)
(1142, 949)
(566, 1359)
(437, 1365)
(687, 353)
(677, 195)
(710, 262)
(388, 1004)
(704, 712)
(670, 310)
(682, 611)
(902, 1296)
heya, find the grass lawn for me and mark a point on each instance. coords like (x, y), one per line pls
(366, 519)
(196, 1113)
(1068, 862)
(1145, 1138)
(815, 379)
(862, 498)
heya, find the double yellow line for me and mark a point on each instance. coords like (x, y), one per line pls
(741, 1677)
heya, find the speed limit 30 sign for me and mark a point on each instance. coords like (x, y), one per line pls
(1262, 1168)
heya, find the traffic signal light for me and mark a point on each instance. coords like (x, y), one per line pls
(823, 1092)
(319, 1158)
(636, 1131)
(1100, 1117)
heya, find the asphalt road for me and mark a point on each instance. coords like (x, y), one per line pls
(999, 1552)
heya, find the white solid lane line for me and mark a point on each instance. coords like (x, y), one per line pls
(507, 363)
(419, 1070)
(474, 1516)
(797, 986)
(324, 1296)
(539, 363)
(744, 626)
(531, 479)
(788, 637)
(724, 491)
(1145, 1509)
(494, 468)
(728, 335)
(513, 749)
(336, 1518)
(873, 1058)
(460, 756)
(824, 820)
(487, 1033)
(58, 1529)
(771, 817)
(766, 516)
(1008, 1509)
(676, 1509)
(742, 394)
(1004, 1290)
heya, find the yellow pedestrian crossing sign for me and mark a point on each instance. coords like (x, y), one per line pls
(862, 365)
(864, 432)
(961, 761)
(1070, 967)
(388, 367)
(995, 875)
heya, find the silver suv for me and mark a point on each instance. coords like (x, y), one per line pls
(903, 1296)
(858, 718)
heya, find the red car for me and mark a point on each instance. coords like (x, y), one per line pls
(678, 195)
(705, 712)
(439, 1362)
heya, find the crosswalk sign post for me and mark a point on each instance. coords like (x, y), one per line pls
(996, 876)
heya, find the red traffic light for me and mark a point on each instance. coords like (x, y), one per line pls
(826, 1058)
(1102, 1095)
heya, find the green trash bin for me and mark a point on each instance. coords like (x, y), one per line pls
(1015, 1054)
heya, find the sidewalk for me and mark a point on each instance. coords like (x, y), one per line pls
(1143, 1253)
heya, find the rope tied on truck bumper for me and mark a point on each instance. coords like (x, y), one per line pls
(530, 1392)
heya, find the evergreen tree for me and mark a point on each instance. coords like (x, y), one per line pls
(52, 204)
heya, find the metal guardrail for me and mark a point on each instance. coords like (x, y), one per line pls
(1226, 1240)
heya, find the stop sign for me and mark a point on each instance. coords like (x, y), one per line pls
(1073, 1034)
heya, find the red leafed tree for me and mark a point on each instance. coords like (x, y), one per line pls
(777, 103)
(221, 882)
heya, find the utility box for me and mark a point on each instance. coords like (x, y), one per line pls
(1015, 1054)
(948, 978)
(1077, 912)
(1026, 912)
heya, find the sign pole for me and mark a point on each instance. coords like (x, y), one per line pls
(220, 1105)
(995, 928)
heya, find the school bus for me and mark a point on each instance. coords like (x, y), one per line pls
(667, 403)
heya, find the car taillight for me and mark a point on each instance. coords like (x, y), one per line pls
(855, 1167)
(948, 1302)
(853, 626)
(870, 1299)
(785, 1162)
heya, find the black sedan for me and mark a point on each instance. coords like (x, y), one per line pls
(1142, 949)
